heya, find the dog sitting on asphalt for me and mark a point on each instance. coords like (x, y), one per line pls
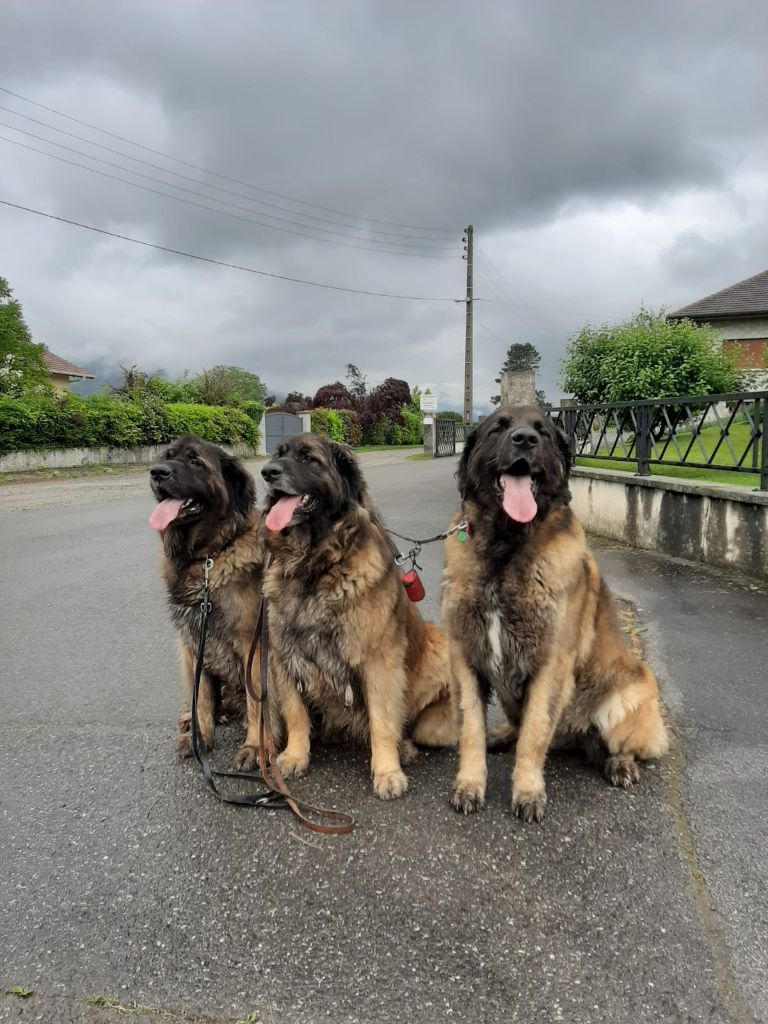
(206, 510)
(530, 618)
(347, 646)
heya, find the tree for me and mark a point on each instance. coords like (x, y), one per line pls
(648, 356)
(357, 385)
(521, 355)
(332, 396)
(22, 366)
(226, 385)
(296, 402)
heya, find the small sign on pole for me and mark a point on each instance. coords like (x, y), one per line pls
(428, 403)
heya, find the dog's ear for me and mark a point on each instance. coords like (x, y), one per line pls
(346, 463)
(564, 448)
(462, 473)
(242, 490)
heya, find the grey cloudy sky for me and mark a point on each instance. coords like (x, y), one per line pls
(608, 154)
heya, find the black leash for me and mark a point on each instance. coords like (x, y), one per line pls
(403, 557)
(266, 798)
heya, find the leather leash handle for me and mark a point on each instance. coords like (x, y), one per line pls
(337, 823)
(269, 799)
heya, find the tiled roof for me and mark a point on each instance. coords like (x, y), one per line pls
(56, 364)
(747, 298)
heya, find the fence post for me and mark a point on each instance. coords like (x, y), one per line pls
(643, 440)
(764, 440)
(430, 430)
(569, 427)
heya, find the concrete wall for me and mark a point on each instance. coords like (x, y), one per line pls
(67, 458)
(713, 523)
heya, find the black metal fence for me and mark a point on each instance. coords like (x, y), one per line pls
(448, 434)
(715, 432)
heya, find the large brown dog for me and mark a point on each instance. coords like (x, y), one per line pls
(530, 618)
(347, 645)
(206, 509)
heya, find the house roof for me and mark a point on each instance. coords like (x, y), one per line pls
(746, 298)
(56, 364)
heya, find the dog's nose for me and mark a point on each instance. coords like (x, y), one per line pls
(525, 437)
(160, 472)
(271, 472)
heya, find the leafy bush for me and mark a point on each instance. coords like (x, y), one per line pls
(351, 421)
(220, 424)
(646, 357)
(328, 422)
(69, 421)
(413, 433)
(253, 410)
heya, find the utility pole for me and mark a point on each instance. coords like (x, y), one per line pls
(468, 373)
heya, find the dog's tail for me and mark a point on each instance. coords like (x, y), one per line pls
(431, 713)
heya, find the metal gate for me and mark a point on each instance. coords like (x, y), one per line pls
(449, 437)
(278, 425)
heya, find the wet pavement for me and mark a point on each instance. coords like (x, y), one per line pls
(123, 880)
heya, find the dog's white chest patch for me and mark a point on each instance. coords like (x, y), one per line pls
(495, 652)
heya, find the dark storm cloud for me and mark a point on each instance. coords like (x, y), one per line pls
(516, 116)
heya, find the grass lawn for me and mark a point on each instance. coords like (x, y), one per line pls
(739, 436)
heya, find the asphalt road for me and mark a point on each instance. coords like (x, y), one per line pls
(122, 879)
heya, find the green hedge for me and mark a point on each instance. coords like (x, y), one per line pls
(351, 422)
(328, 422)
(70, 421)
(344, 425)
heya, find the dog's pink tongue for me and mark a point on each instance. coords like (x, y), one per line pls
(281, 512)
(164, 514)
(519, 502)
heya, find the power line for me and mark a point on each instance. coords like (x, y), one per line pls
(224, 177)
(201, 195)
(221, 263)
(409, 241)
(488, 329)
(517, 301)
(203, 206)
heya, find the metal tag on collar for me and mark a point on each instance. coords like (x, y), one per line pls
(348, 696)
(207, 566)
(462, 531)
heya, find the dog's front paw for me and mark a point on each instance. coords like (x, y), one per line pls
(184, 746)
(391, 785)
(529, 806)
(468, 796)
(622, 771)
(291, 766)
(246, 758)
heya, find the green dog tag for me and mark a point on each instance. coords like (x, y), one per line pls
(462, 535)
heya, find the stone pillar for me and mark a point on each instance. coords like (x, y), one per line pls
(429, 436)
(518, 387)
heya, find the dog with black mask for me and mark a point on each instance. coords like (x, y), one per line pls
(206, 509)
(350, 655)
(531, 620)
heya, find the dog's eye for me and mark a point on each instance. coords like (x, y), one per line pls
(194, 461)
(306, 457)
(539, 426)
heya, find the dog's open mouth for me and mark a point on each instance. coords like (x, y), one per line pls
(286, 508)
(518, 488)
(171, 510)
